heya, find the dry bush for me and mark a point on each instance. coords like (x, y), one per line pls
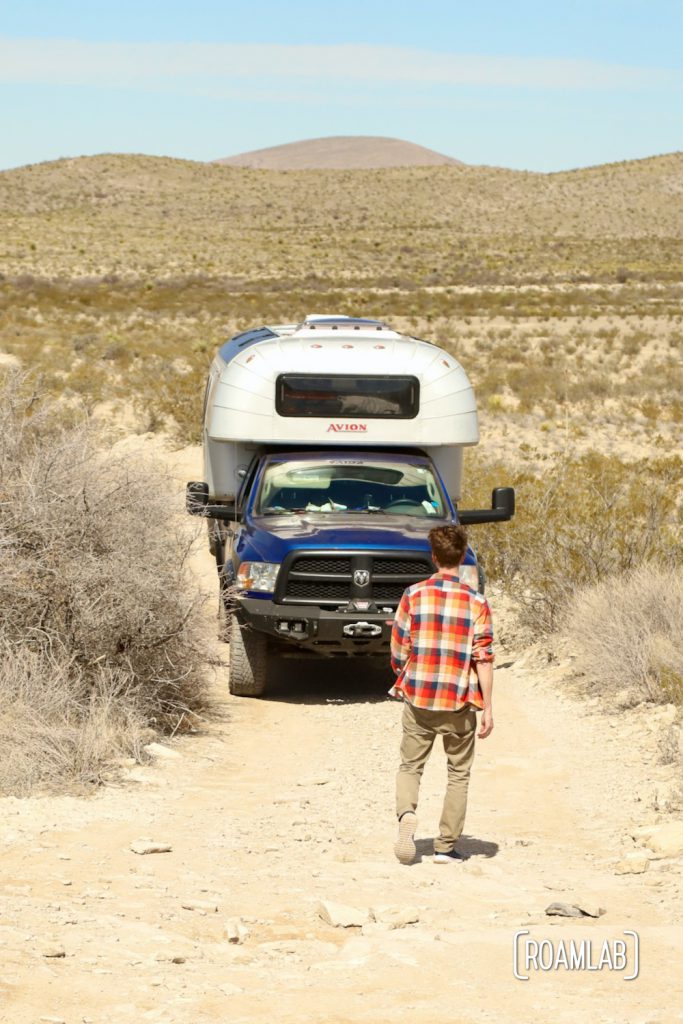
(57, 726)
(628, 632)
(579, 521)
(98, 635)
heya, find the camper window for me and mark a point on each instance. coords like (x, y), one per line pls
(350, 397)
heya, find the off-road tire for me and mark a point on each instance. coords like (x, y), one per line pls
(218, 542)
(211, 530)
(248, 660)
(224, 586)
(225, 616)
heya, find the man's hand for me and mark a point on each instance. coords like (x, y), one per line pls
(486, 724)
(485, 676)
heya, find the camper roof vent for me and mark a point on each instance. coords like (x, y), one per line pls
(334, 323)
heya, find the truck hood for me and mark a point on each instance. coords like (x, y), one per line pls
(273, 537)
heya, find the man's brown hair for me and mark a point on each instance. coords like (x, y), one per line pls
(449, 544)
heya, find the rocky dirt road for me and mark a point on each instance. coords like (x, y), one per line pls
(282, 803)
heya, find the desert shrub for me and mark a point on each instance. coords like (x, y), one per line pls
(579, 521)
(171, 400)
(628, 633)
(58, 727)
(100, 636)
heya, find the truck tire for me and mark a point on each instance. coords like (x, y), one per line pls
(224, 619)
(211, 528)
(224, 587)
(248, 660)
(218, 543)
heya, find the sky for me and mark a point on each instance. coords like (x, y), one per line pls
(527, 84)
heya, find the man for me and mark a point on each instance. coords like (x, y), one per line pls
(442, 653)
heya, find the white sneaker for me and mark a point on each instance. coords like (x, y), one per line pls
(404, 847)
(450, 857)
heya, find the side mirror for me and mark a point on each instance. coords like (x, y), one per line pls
(197, 503)
(502, 508)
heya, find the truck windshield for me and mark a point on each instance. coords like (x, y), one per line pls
(350, 486)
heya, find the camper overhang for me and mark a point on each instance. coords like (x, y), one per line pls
(371, 386)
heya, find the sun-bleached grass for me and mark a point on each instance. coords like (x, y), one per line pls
(56, 728)
(100, 636)
(628, 633)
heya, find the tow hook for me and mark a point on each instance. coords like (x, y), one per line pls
(362, 629)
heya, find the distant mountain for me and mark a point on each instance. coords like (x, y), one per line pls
(340, 152)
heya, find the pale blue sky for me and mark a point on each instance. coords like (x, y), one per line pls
(523, 84)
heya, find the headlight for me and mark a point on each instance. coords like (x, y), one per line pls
(469, 574)
(258, 576)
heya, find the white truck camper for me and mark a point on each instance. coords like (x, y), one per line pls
(331, 448)
(337, 382)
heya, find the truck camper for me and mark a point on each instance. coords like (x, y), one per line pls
(331, 448)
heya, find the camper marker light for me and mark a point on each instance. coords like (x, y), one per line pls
(258, 576)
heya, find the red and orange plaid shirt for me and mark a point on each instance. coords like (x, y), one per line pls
(441, 628)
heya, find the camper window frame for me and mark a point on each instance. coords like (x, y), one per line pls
(408, 378)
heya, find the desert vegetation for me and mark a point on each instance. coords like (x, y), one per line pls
(627, 632)
(102, 644)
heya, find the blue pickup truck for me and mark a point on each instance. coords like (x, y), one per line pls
(322, 533)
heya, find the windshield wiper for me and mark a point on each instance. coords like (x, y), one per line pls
(372, 511)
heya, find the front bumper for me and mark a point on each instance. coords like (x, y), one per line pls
(306, 628)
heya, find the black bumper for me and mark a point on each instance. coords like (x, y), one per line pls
(305, 628)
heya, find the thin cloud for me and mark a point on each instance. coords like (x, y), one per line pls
(170, 65)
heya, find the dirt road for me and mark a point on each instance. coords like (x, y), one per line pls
(282, 803)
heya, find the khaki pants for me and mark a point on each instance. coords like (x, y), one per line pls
(420, 729)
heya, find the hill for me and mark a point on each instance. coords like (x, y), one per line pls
(140, 216)
(340, 152)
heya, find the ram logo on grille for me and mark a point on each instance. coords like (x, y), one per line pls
(361, 577)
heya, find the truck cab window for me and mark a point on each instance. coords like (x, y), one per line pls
(392, 487)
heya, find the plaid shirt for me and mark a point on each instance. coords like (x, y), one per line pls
(440, 629)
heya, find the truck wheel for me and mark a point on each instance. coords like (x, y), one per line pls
(248, 661)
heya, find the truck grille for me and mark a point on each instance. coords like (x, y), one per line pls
(328, 579)
(317, 590)
(324, 565)
(389, 593)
